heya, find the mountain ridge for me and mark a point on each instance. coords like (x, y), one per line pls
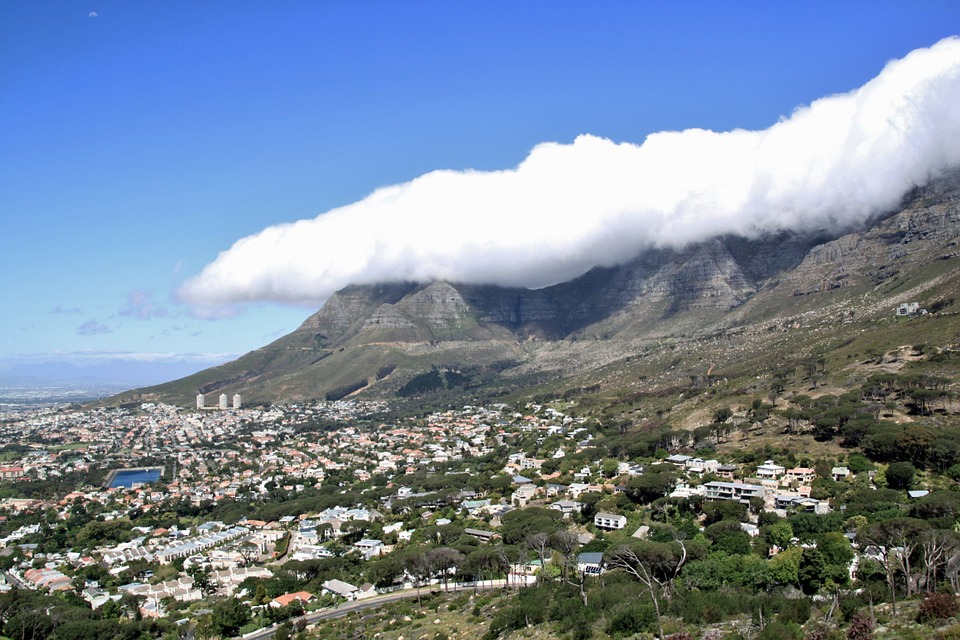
(664, 302)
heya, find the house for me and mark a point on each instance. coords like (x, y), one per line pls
(733, 491)
(801, 503)
(699, 466)
(628, 468)
(48, 579)
(583, 474)
(686, 491)
(910, 309)
(369, 548)
(367, 590)
(287, 598)
(341, 588)
(609, 521)
(554, 489)
(678, 460)
(566, 507)
(727, 472)
(524, 494)
(839, 473)
(578, 488)
(590, 563)
(801, 475)
(531, 463)
(474, 506)
(769, 470)
(480, 534)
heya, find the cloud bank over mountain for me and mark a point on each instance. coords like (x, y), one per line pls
(570, 207)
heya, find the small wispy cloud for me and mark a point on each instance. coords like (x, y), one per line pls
(215, 311)
(93, 328)
(58, 310)
(140, 306)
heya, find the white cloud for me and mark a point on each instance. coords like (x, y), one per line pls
(569, 207)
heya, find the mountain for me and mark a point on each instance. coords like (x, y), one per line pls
(728, 306)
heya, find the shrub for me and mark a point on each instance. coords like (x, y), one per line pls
(780, 631)
(937, 606)
(861, 627)
(631, 620)
(821, 631)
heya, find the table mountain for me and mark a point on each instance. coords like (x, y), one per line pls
(670, 313)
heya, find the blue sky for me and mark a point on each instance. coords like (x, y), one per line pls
(139, 140)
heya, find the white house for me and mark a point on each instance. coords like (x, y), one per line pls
(609, 521)
(770, 470)
(341, 588)
(733, 491)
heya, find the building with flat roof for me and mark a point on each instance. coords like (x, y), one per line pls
(609, 521)
(734, 491)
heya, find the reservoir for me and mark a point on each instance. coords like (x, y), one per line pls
(129, 477)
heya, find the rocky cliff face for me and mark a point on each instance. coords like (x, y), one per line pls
(719, 274)
(925, 230)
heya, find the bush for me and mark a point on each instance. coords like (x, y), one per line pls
(631, 620)
(796, 610)
(822, 631)
(781, 631)
(937, 606)
(861, 627)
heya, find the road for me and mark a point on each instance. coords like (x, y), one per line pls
(347, 608)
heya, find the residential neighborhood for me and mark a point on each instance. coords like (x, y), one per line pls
(299, 507)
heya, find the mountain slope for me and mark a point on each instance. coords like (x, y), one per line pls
(725, 303)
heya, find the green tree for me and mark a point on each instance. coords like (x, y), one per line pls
(900, 475)
(228, 616)
(648, 487)
(722, 414)
(609, 467)
(810, 571)
(835, 548)
(517, 525)
(784, 567)
(778, 533)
